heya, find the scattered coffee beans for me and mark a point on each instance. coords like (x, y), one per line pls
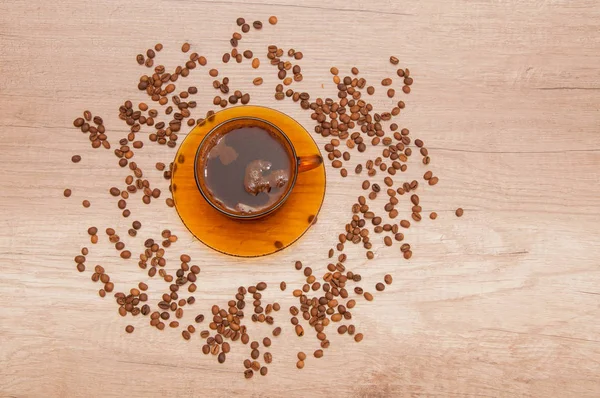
(348, 122)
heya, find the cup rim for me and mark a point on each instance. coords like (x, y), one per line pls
(281, 200)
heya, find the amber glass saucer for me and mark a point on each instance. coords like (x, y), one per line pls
(248, 238)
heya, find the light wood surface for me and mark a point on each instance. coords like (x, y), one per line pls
(504, 302)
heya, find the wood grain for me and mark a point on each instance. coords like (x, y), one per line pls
(504, 302)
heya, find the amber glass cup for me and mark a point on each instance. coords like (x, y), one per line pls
(297, 164)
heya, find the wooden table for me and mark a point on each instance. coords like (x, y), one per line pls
(503, 302)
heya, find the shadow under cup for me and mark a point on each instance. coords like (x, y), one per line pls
(296, 164)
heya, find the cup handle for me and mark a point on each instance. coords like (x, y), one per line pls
(306, 163)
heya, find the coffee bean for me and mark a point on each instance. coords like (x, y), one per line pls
(257, 24)
(336, 164)
(414, 199)
(67, 193)
(394, 60)
(368, 296)
(255, 65)
(185, 47)
(129, 329)
(459, 212)
(380, 287)
(388, 279)
(433, 180)
(86, 203)
(405, 224)
(433, 215)
(221, 357)
(358, 338)
(273, 20)
(388, 241)
(248, 373)
(75, 158)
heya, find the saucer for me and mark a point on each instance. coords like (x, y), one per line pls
(248, 238)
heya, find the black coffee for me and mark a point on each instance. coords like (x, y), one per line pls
(247, 170)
